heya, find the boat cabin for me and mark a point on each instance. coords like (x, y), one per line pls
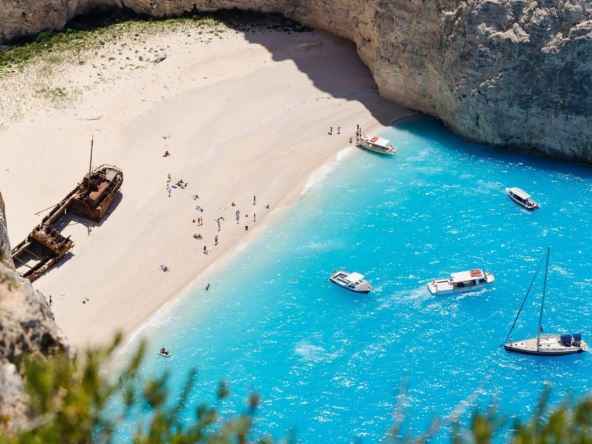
(461, 281)
(351, 281)
(522, 198)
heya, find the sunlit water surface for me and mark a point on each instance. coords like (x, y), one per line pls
(328, 364)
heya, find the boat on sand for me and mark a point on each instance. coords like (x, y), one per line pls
(46, 245)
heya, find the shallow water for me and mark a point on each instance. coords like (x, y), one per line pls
(327, 363)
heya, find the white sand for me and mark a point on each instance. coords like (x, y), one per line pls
(242, 116)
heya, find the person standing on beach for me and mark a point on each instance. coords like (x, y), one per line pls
(254, 200)
(218, 222)
(338, 129)
(216, 240)
(330, 130)
(237, 217)
(254, 217)
(205, 250)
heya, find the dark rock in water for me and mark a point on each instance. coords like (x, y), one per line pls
(507, 72)
(27, 326)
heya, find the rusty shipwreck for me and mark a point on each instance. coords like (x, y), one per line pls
(46, 245)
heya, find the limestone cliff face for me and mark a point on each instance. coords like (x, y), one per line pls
(26, 326)
(506, 72)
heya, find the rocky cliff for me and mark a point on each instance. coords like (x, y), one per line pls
(26, 326)
(507, 72)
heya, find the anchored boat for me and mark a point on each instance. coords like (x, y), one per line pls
(376, 144)
(522, 198)
(351, 281)
(547, 344)
(45, 245)
(461, 282)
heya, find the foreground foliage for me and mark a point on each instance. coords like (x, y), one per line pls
(71, 401)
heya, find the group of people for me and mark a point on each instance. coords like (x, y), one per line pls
(331, 130)
(178, 184)
(183, 184)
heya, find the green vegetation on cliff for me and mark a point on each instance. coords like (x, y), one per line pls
(71, 402)
(98, 29)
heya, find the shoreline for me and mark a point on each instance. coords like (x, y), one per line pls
(242, 115)
(275, 217)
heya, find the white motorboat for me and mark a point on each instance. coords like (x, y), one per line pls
(461, 282)
(522, 198)
(351, 281)
(548, 344)
(376, 144)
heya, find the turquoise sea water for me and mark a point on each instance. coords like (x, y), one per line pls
(327, 363)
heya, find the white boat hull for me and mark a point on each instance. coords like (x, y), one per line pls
(549, 345)
(434, 289)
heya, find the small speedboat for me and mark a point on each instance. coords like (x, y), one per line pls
(350, 281)
(522, 198)
(376, 144)
(164, 353)
(461, 282)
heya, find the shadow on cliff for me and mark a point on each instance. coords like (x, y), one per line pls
(332, 65)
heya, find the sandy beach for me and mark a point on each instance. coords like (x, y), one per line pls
(242, 115)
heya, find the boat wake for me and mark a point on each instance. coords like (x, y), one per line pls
(316, 353)
(414, 296)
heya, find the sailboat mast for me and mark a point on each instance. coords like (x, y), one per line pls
(543, 300)
(92, 141)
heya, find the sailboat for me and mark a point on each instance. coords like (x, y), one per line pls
(544, 344)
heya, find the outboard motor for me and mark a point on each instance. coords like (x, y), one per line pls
(565, 340)
(577, 339)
